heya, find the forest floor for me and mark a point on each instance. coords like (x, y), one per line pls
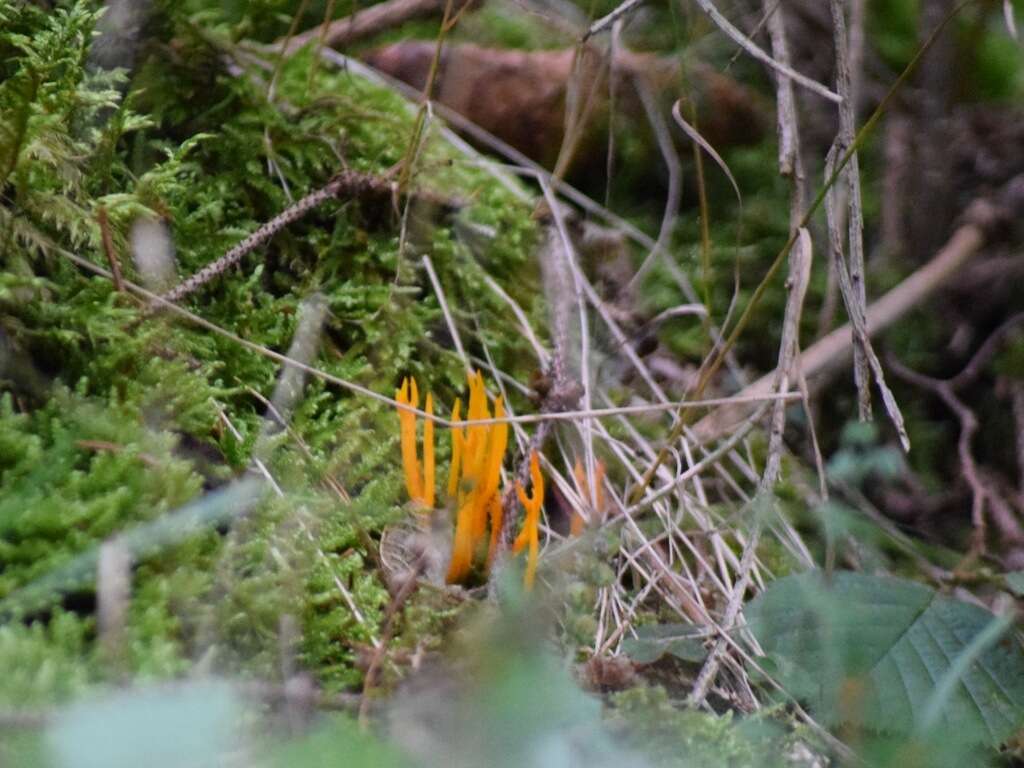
(740, 354)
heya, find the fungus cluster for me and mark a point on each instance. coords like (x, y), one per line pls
(474, 478)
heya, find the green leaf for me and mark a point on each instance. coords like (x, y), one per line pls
(878, 652)
(656, 640)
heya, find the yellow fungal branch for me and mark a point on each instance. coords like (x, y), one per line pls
(528, 536)
(477, 454)
(418, 482)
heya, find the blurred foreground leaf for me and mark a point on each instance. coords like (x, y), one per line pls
(334, 743)
(183, 726)
(890, 654)
(1015, 581)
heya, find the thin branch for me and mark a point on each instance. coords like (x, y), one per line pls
(968, 426)
(606, 21)
(108, 249)
(755, 51)
(453, 330)
(399, 600)
(787, 122)
(346, 183)
(852, 287)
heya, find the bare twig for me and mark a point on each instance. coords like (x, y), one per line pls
(346, 183)
(113, 597)
(853, 289)
(405, 591)
(108, 249)
(790, 161)
(606, 21)
(968, 426)
(983, 490)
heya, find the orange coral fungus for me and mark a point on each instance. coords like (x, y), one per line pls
(528, 535)
(595, 503)
(419, 482)
(474, 476)
(477, 455)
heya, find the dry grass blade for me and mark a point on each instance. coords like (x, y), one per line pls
(695, 136)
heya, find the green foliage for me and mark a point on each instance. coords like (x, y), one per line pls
(113, 418)
(50, 107)
(893, 28)
(860, 457)
(999, 67)
(73, 473)
(46, 662)
(890, 655)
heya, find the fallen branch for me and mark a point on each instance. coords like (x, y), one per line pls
(822, 359)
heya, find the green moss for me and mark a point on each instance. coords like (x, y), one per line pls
(672, 736)
(46, 663)
(115, 418)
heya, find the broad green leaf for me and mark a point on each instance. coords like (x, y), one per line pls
(873, 650)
